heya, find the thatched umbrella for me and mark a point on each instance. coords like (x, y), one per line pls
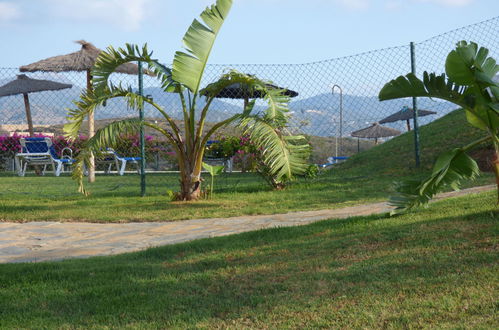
(238, 91)
(406, 114)
(24, 85)
(375, 131)
(82, 60)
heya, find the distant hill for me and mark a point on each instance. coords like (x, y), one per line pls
(317, 115)
(320, 114)
(49, 108)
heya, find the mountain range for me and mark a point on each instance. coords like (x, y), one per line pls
(315, 115)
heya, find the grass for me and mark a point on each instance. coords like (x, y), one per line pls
(396, 157)
(436, 268)
(366, 177)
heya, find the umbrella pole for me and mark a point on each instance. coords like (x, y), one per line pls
(28, 114)
(408, 125)
(30, 125)
(91, 132)
(246, 101)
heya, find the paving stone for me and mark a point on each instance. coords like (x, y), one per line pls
(44, 241)
(13, 250)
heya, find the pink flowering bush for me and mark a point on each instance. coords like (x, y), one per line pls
(129, 146)
(247, 156)
(241, 148)
(9, 145)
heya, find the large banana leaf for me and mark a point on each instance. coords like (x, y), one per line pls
(188, 67)
(434, 86)
(108, 136)
(89, 101)
(449, 170)
(277, 101)
(476, 102)
(111, 58)
(468, 65)
(285, 156)
(470, 85)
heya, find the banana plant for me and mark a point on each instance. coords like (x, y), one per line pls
(214, 170)
(183, 78)
(468, 83)
(285, 155)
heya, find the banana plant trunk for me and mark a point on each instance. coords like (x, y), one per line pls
(190, 187)
(190, 178)
(495, 167)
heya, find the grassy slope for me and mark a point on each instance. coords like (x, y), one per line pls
(364, 178)
(435, 268)
(396, 157)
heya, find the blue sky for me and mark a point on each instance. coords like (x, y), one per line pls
(257, 31)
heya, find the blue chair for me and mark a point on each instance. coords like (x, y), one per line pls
(226, 162)
(110, 157)
(39, 151)
(332, 161)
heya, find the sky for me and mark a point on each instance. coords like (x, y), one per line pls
(256, 31)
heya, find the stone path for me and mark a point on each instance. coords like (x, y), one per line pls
(41, 241)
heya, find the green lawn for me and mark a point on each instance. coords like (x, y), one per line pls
(366, 177)
(434, 268)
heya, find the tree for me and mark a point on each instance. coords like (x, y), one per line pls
(468, 83)
(184, 78)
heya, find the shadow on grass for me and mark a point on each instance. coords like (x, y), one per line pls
(250, 274)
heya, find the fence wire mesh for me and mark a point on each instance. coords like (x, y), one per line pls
(328, 115)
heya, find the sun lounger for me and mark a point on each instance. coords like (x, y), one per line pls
(226, 162)
(111, 157)
(39, 151)
(332, 161)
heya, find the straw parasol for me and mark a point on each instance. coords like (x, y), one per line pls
(406, 114)
(236, 91)
(82, 60)
(24, 85)
(239, 91)
(375, 131)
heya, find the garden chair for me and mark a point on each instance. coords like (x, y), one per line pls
(332, 161)
(110, 157)
(226, 162)
(39, 151)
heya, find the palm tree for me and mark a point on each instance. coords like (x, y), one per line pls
(469, 84)
(184, 78)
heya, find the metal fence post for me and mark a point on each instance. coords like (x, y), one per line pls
(142, 138)
(341, 119)
(415, 107)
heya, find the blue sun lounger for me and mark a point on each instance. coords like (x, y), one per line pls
(111, 158)
(332, 161)
(226, 162)
(39, 151)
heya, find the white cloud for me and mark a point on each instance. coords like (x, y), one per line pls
(354, 4)
(8, 12)
(450, 3)
(127, 14)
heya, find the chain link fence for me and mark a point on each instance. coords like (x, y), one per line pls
(328, 115)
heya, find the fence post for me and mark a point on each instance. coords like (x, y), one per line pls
(341, 120)
(142, 138)
(415, 108)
